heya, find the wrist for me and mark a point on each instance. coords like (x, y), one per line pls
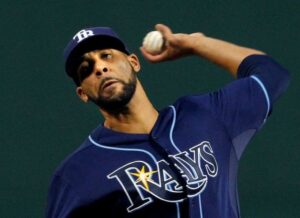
(195, 40)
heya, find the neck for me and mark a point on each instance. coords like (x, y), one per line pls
(138, 117)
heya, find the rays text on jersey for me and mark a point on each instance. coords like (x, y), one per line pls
(141, 183)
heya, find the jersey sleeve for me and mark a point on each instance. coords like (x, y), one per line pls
(244, 105)
(61, 199)
(270, 75)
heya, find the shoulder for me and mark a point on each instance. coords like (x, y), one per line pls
(62, 196)
(71, 163)
(190, 102)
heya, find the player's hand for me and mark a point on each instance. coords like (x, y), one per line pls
(176, 45)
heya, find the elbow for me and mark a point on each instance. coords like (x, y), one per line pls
(279, 83)
(285, 80)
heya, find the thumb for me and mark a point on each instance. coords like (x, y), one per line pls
(165, 30)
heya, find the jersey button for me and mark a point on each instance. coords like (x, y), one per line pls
(154, 137)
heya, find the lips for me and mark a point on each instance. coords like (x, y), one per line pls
(108, 83)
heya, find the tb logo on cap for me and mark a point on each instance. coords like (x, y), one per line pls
(83, 34)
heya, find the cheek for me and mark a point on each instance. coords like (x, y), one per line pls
(91, 87)
(125, 68)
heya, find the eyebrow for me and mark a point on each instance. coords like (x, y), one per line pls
(99, 50)
(85, 57)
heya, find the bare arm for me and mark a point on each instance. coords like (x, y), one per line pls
(225, 54)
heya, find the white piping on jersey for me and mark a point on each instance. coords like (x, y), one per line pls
(177, 149)
(200, 206)
(265, 93)
(172, 129)
(178, 210)
(123, 149)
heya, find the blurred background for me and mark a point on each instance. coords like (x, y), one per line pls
(42, 119)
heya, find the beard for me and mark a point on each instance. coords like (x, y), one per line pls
(117, 103)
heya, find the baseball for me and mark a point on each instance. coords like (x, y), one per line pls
(153, 42)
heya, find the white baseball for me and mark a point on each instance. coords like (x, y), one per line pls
(153, 42)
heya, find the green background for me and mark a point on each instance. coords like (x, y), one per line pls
(42, 120)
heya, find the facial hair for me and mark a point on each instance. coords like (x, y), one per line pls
(116, 104)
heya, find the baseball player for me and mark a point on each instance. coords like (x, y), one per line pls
(178, 162)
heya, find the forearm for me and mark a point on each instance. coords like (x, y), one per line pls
(226, 55)
(242, 62)
(239, 61)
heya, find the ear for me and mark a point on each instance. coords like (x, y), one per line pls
(134, 62)
(81, 94)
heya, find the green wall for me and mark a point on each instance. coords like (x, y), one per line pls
(42, 120)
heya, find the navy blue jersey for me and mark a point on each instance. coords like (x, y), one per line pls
(186, 167)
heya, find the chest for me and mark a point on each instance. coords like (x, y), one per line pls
(180, 159)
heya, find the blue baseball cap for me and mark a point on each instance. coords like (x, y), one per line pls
(86, 40)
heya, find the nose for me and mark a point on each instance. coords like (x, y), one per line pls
(100, 68)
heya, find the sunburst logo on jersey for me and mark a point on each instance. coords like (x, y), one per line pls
(143, 176)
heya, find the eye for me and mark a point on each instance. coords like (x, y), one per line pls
(84, 70)
(106, 55)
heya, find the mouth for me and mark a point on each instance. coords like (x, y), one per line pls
(108, 84)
